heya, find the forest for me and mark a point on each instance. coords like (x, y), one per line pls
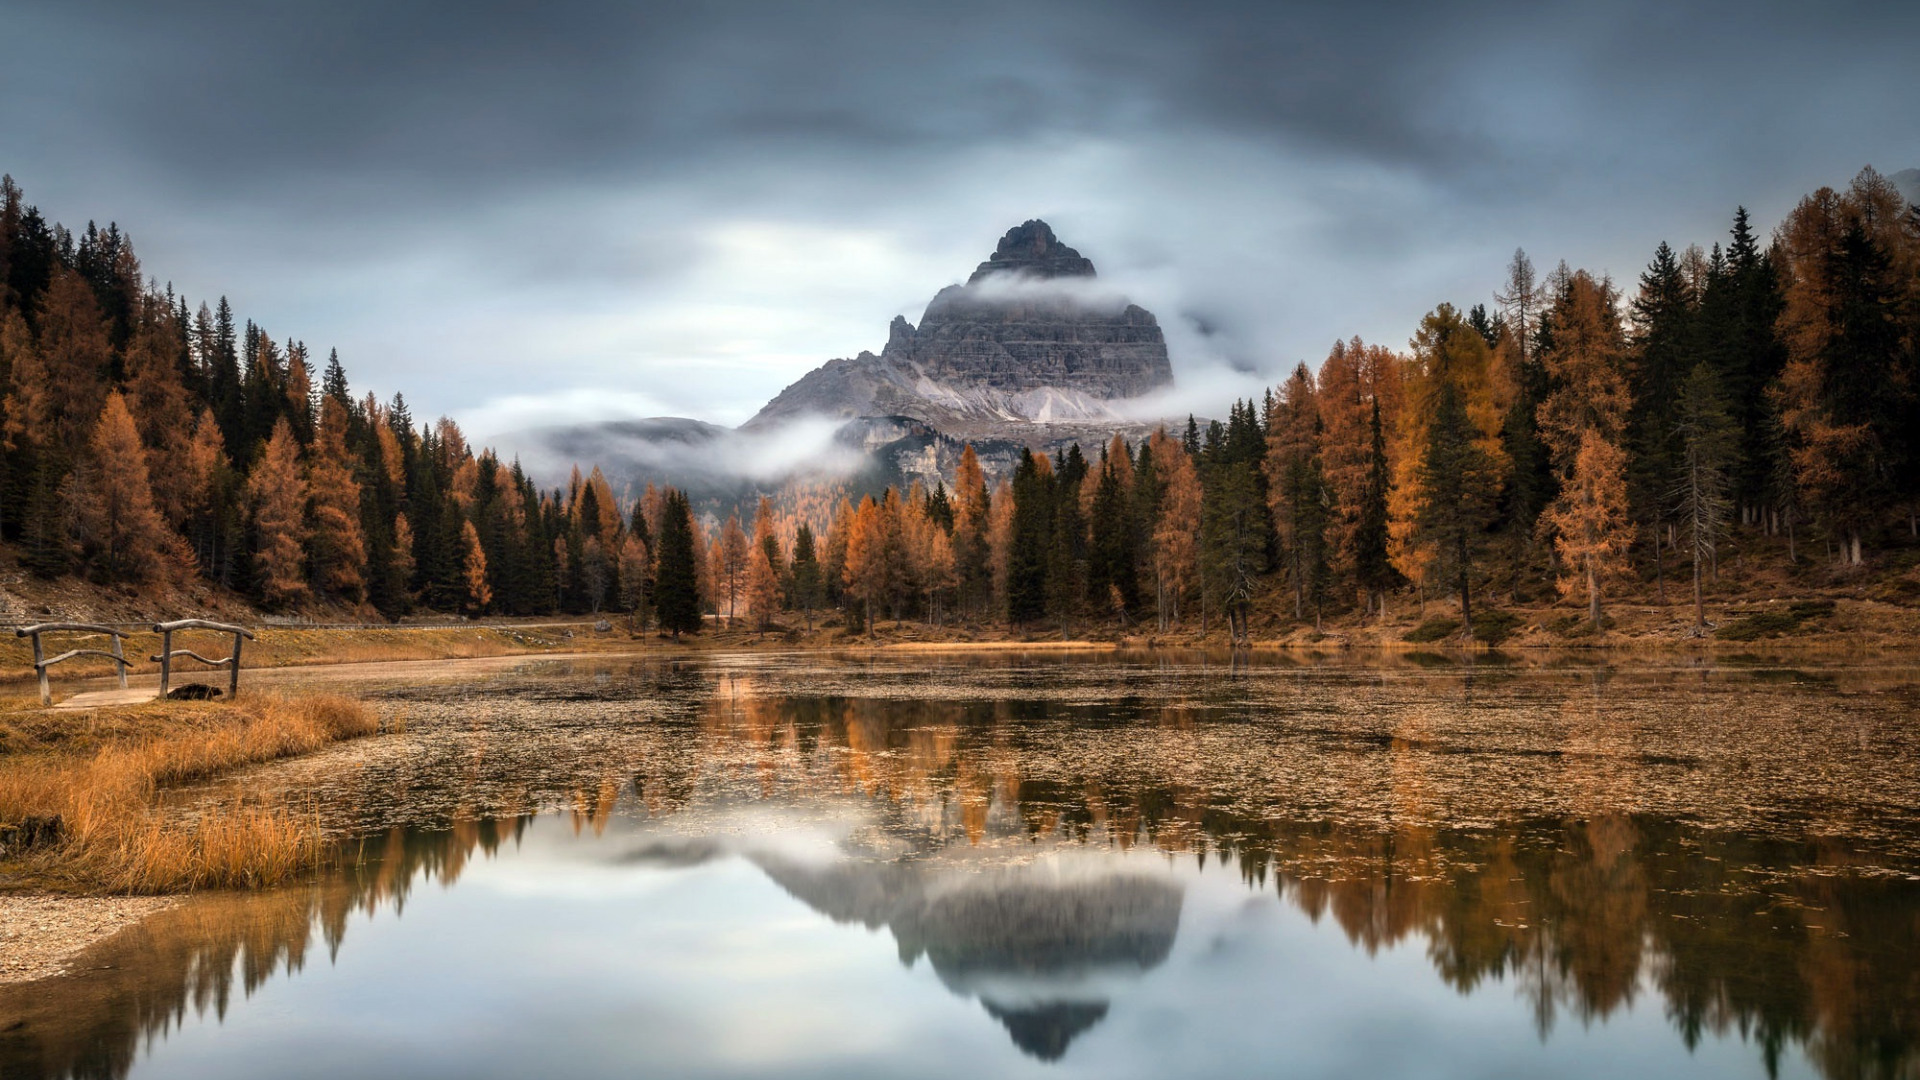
(1751, 405)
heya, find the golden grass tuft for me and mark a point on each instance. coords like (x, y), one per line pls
(84, 808)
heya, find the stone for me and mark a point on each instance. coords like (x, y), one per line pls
(1028, 340)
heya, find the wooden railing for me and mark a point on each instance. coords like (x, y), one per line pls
(41, 662)
(168, 652)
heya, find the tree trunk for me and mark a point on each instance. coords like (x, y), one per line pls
(1659, 569)
(1699, 604)
(1466, 605)
(1593, 593)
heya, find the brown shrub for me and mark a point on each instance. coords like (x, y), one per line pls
(87, 810)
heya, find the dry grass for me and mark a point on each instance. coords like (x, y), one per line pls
(78, 806)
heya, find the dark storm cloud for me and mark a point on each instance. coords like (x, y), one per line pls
(472, 157)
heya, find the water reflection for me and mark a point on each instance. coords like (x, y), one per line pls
(1035, 836)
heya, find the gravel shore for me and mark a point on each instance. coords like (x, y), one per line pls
(40, 935)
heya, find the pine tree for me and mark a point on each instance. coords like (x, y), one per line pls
(809, 590)
(1663, 351)
(1458, 481)
(1372, 567)
(1030, 540)
(1067, 546)
(1112, 545)
(278, 495)
(676, 576)
(1700, 495)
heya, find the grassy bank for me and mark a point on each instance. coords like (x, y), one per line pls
(77, 793)
(295, 646)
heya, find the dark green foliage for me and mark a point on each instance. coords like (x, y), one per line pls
(1113, 548)
(676, 588)
(1494, 627)
(1459, 483)
(1664, 351)
(1432, 630)
(1373, 570)
(1029, 546)
(1067, 556)
(807, 588)
(1770, 623)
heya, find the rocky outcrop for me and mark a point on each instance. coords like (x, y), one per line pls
(1027, 340)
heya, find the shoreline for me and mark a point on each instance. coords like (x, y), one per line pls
(41, 934)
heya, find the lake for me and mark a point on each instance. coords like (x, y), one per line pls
(1059, 865)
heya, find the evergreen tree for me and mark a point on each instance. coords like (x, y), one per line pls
(1459, 482)
(808, 591)
(1663, 352)
(1031, 540)
(1700, 495)
(676, 578)
(1373, 569)
(1067, 547)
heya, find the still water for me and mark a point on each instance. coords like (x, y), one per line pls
(1055, 866)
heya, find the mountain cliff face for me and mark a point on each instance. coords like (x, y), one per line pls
(1027, 340)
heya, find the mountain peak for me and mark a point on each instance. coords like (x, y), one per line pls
(1031, 249)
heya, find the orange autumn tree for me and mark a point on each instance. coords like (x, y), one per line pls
(1583, 423)
(1851, 265)
(474, 570)
(278, 494)
(972, 529)
(866, 567)
(763, 568)
(1447, 352)
(1176, 530)
(337, 549)
(728, 567)
(123, 537)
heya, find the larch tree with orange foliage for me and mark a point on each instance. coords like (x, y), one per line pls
(1583, 423)
(1176, 531)
(278, 494)
(764, 563)
(1848, 399)
(972, 527)
(866, 567)
(473, 570)
(1447, 353)
(730, 556)
(336, 545)
(122, 535)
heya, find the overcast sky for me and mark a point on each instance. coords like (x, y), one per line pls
(518, 213)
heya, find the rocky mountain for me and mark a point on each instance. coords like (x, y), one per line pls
(1029, 339)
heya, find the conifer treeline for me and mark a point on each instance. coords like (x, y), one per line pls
(1561, 437)
(150, 442)
(1566, 438)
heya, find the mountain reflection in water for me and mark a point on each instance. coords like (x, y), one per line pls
(1014, 865)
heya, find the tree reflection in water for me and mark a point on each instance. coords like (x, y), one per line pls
(1773, 935)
